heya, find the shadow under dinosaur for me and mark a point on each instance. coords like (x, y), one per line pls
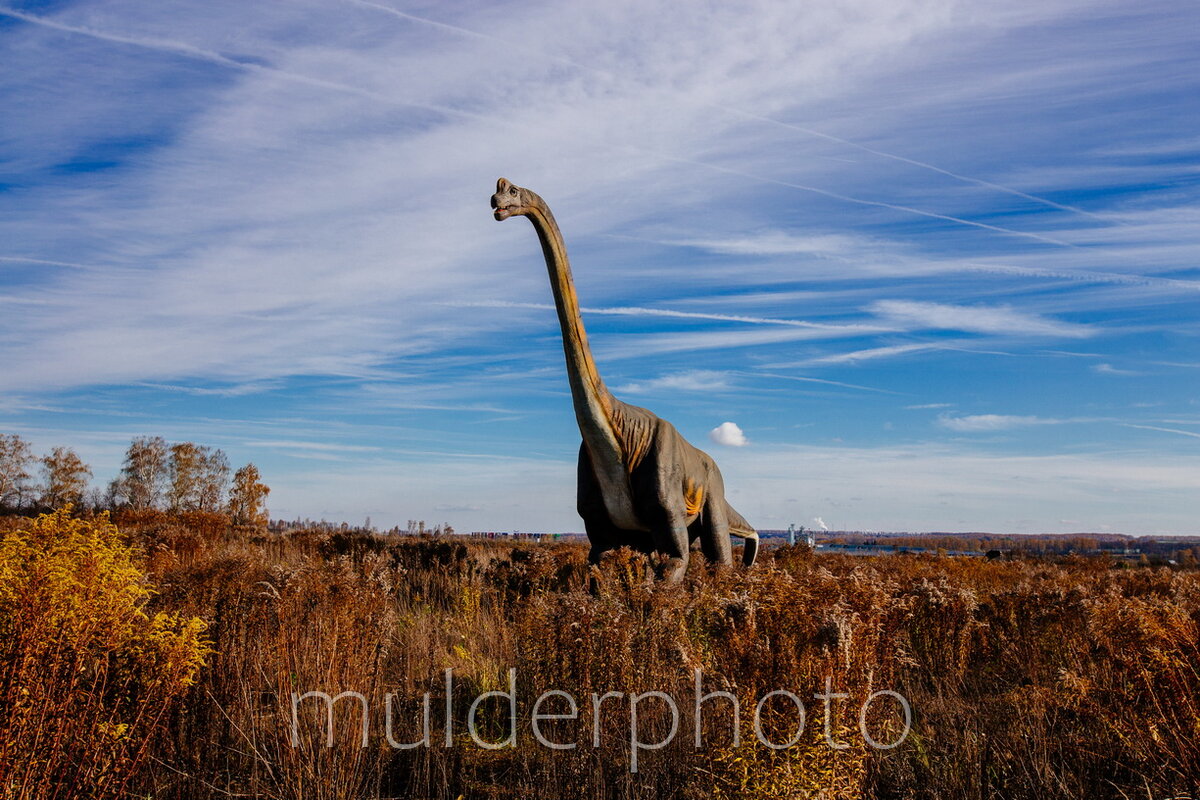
(641, 484)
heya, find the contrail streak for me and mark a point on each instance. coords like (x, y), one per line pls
(639, 311)
(816, 380)
(26, 260)
(876, 203)
(860, 355)
(198, 53)
(1087, 277)
(1162, 430)
(443, 25)
(745, 114)
(191, 51)
(922, 164)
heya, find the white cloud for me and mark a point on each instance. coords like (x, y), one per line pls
(728, 434)
(633, 346)
(336, 447)
(777, 243)
(805, 379)
(1192, 434)
(387, 215)
(976, 423)
(641, 311)
(871, 354)
(287, 198)
(696, 380)
(1109, 369)
(976, 319)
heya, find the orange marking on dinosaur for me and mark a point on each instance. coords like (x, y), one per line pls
(693, 498)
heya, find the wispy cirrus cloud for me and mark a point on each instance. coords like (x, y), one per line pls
(334, 447)
(1109, 369)
(216, 198)
(642, 311)
(776, 243)
(1176, 431)
(977, 319)
(631, 346)
(235, 390)
(984, 423)
(868, 354)
(696, 380)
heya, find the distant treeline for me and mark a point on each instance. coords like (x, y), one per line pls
(180, 477)
(415, 527)
(1185, 548)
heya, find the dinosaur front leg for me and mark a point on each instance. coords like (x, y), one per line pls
(669, 527)
(589, 502)
(672, 541)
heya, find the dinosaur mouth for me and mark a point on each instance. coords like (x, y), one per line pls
(503, 213)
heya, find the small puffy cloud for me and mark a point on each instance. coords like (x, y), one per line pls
(977, 423)
(728, 434)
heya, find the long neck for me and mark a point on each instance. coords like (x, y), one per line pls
(593, 402)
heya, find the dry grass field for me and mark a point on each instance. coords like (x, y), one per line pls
(159, 659)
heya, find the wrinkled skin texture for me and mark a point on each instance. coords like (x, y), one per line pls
(641, 484)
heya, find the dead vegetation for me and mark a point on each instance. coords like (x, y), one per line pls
(1027, 679)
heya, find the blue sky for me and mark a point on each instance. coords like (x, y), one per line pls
(937, 259)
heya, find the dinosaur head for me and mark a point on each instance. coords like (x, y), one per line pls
(511, 200)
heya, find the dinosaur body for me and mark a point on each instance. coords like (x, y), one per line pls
(641, 484)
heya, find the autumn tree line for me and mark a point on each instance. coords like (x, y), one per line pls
(178, 478)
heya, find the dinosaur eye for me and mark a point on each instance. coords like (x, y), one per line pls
(512, 190)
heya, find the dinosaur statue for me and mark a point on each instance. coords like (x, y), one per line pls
(641, 484)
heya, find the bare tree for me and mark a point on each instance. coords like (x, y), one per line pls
(247, 497)
(66, 477)
(198, 478)
(15, 460)
(214, 478)
(184, 476)
(143, 478)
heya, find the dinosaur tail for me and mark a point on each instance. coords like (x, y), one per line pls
(743, 530)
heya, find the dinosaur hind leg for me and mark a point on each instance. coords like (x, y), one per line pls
(714, 539)
(749, 549)
(745, 531)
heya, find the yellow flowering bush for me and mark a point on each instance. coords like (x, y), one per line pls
(86, 675)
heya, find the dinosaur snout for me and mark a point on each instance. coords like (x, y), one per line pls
(507, 196)
(499, 211)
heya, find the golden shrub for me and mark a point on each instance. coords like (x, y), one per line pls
(86, 674)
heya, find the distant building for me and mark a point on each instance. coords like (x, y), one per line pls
(809, 537)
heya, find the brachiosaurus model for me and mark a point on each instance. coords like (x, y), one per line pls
(641, 484)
